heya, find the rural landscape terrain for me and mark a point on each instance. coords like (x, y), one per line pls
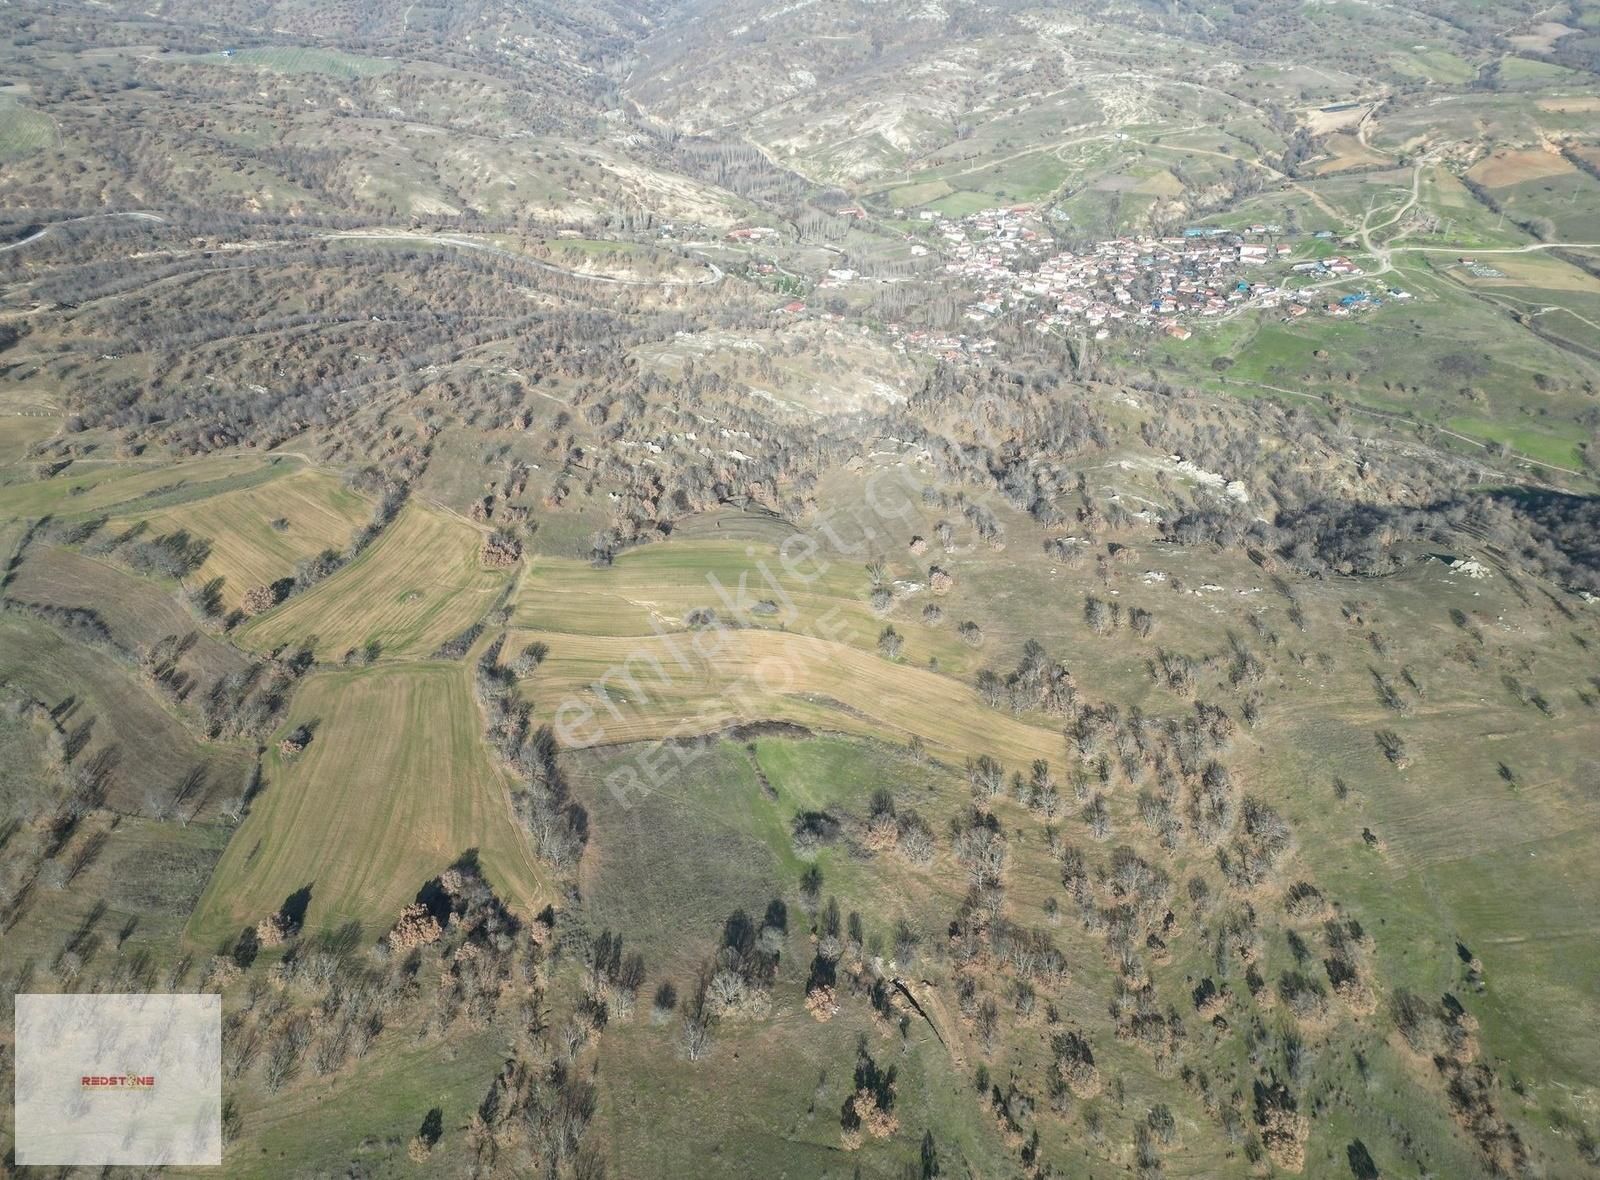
(814, 588)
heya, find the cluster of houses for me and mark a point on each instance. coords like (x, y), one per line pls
(1017, 271)
(1158, 283)
(950, 346)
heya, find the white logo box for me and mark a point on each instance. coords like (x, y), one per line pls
(118, 1079)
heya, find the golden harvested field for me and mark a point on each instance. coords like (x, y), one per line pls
(1575, 104)
(395, 785)
(654, 588)
(419, 584)
(1162, 184)
(1514, 167)
(1348, 152)
(702, 682)
(318, 512)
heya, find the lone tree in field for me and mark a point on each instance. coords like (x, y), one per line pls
(295, 742)
(1394, 748)
(501, 549)
(416, 927)
(274, 930)
(259, 598)
(890, 642)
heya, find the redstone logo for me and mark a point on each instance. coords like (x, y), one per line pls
(118, 1081)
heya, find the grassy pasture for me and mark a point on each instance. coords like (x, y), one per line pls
(960, 203)
(25, 767)
(246, 550)
(1374, 360)
(1465, 854)
(1571, 200)
(364, 1112)
(142, 885)
(1521, 69)
(763, 1119)
(91, 487)
(1464, 219)
(1434, 64)
(393, 788)
(909, 196)
(23, 130)
(135, 609)
(669, 868)
(19, 431)
(105, 702)
(672, 862)
(416, 586)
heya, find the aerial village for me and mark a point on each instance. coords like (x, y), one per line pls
(1154, 283)
(1017, 272)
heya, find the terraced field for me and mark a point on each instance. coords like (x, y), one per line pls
(138, 612)
(394, 787)
(655, 588)
(419, 584)
(84, 489)
(247, 548)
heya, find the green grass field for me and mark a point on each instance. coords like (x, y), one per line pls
(26, 774)
(419, 584)
(394, 787)
(20, 432)
(366, 1114)
(1434, 64)
(136, 895)
(94, 487)
(23, 131)
(102, 696)
(1465, 855)
(656, 882)
(1570, 202)
(656, 587)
